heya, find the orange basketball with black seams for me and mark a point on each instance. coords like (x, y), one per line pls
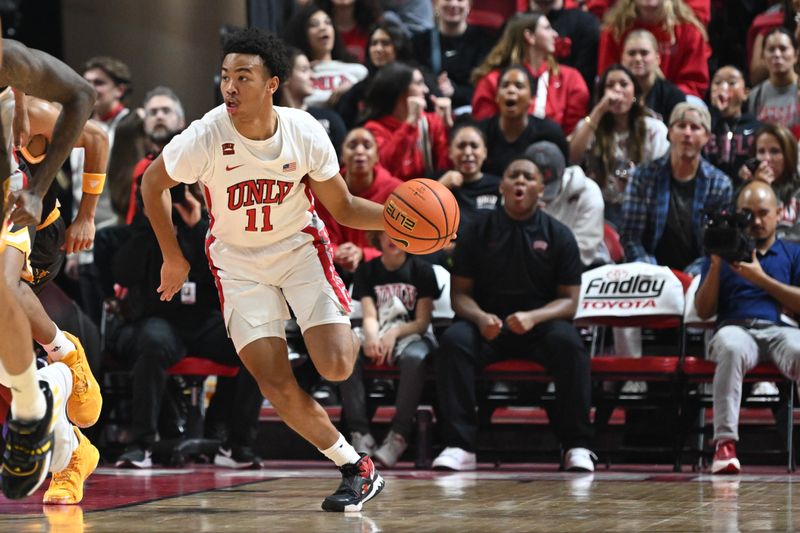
(421, 216)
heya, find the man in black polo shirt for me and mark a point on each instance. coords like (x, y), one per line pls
(514, 288)
(748, 298)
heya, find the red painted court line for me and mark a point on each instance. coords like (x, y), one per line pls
(124, 488)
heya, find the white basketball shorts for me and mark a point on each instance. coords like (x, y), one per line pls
(255, 285)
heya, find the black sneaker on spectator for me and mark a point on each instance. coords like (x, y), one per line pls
(135, 457)
(28, 451)
(240, 457)
(360, 483)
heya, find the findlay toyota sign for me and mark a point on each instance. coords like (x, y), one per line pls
(630, 289)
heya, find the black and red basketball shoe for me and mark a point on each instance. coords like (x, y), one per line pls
(360, 483)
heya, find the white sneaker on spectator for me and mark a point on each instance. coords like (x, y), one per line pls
(363, 442)
(762, 390)
(579, 460)
(455, 459)
(390, 451)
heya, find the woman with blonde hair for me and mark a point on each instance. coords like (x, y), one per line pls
(560, 93)
(682, 40)
(640, 56)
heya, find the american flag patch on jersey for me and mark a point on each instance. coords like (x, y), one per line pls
(290, 167)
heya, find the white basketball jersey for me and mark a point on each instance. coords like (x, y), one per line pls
(255, 197)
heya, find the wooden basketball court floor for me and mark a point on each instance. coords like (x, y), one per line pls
(286, 496)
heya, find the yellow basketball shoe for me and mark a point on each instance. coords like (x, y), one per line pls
(66, 486)
(85, 402)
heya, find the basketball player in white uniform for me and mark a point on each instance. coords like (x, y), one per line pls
(39, 438)
(266, 246)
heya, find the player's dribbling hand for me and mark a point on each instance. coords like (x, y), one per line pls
(27, 208)
(173, 274)
(490, 326)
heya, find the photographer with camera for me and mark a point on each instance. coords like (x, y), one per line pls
(748, 297)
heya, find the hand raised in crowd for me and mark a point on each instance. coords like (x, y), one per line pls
(190, 209)
(521, 322)
(416, 106)
(452, 179)
(348, 256)
(763, 172)
(443, 107)
(338, 92)
(445, 85)
(490, 326)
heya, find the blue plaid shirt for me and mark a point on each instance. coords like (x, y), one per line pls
(646, 204)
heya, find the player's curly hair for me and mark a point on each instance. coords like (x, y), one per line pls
(261, 43)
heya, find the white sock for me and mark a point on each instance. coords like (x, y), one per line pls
(341, 452)
(27, 401)
(59, 347)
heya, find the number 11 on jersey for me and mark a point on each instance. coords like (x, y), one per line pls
(266, 225)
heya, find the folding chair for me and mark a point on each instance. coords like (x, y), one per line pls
(632, 295)
(697, 372)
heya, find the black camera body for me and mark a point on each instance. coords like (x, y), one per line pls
(726, 235)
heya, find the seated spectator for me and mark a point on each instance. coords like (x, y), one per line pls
(572, 199)
(616, 136)
(640, 56)
(386, 43)
(578, 35)
(510, 132)
(412, 142)
(396, 291)
(775, 100)
(475, 191)
(732, 130)
(776, 151)
(561, 94)
(352, 20)
(294, 90)
(662, 212)
(701, 8)
(774, 17)
(158, 334)
(514, 288)
(365, 178)
(747, 298)
(452, 49)
(333, 70)
(682, 40)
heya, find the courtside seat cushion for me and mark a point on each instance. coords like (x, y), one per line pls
(643, 366)
(695, 367)
(198, 366)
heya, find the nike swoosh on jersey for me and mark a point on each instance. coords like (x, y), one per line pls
(229, 168)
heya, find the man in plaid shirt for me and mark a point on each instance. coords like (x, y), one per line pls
(665, 199)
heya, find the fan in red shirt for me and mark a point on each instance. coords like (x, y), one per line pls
(682, 40)
(366, 178)
(560, 93)
(412, 143)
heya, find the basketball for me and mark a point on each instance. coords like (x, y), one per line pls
(421, 216)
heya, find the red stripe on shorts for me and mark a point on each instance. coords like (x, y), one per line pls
(209, 241)
(322, 243)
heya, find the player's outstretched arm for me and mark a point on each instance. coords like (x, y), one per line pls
(39, 74)
(347, 209)
(158, 208)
